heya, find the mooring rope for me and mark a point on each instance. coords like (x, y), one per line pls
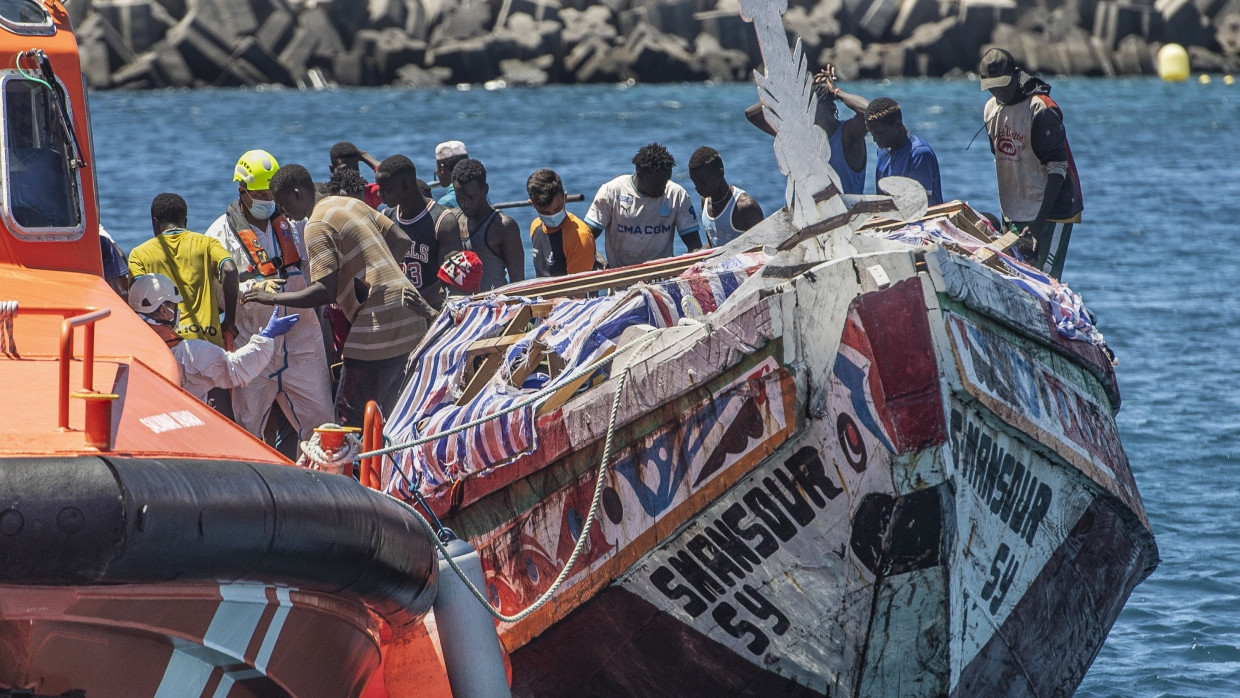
(590, 516)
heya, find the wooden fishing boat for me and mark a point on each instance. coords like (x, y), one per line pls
(839, 456)
(149, 547)
(855, 456)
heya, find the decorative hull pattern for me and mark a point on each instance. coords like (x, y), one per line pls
(882, 474)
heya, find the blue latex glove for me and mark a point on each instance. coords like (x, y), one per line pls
(277, 325)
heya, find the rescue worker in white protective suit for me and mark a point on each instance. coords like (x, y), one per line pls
(270, 253)
(203, 365)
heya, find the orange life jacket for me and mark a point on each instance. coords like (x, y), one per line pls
(259, 259)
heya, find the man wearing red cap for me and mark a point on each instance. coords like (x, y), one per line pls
(1039, 190)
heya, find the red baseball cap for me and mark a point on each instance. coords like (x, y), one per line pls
(462, 270)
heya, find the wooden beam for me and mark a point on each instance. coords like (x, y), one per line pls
(588, 282)
(480, 377)
(569, 389)
(990, 255)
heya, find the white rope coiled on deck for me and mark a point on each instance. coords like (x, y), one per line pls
(339, 462)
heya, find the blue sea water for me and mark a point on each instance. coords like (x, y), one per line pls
(1152, 260)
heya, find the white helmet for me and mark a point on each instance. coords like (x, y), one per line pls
(149, 291)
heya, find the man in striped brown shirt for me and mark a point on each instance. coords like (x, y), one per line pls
(353, 251)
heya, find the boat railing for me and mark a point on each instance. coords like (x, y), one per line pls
(372, 440)
(73, 318)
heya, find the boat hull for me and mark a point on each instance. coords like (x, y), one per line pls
(916, 489)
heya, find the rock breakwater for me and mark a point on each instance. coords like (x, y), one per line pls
(148, 44)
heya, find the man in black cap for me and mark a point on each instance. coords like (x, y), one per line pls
(1039, 190)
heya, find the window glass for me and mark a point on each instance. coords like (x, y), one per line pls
(23, 12)
(42, 187)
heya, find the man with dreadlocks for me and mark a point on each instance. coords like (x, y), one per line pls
(727, 211)
(900, 153)
(639, 212)
(847, 138)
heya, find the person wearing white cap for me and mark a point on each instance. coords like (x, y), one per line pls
(447, 155)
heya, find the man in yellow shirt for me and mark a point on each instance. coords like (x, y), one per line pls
(194, 262)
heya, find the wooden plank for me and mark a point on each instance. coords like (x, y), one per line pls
(532, 360)
(569, 389)
(480, 377)
(624, 276)
(989, 255)
(486, 346)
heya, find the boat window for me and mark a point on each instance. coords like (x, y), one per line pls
(26, 17)
(42, 187)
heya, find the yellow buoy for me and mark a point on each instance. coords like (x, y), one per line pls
(1173, 63)
(1204, 79)
(1228, 80)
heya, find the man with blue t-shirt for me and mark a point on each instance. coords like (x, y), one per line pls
(847, 137)
(900, 153)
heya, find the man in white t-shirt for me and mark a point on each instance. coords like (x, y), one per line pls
(638, 213)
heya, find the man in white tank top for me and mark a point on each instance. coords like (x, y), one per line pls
(727, 211)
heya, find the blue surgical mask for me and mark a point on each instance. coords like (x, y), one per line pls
(262, 209)
(555, 219)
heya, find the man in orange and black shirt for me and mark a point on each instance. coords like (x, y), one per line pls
(562, 243)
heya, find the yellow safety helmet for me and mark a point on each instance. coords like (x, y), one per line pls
(255, 169)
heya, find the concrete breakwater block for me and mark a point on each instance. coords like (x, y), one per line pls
(140, 24)
(1184, 23)
(154, 43)
(718, 63)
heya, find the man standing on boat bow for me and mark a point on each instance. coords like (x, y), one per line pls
(1039, 190)
(269, 251)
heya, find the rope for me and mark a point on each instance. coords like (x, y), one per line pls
(339, 461)
(585, 529)
(8, 340)
(536, 397)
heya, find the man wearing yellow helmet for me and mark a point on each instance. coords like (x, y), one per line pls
(268, 250)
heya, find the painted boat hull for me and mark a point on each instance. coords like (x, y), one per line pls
(845, 483)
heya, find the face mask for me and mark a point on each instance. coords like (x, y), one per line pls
(555, 219)
(262, 210)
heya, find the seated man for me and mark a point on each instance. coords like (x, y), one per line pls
(900, 153)
(562, 243)
(727, 211)
(639, 212)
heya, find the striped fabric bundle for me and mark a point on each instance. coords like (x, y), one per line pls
(579, 331)
(437, 371)
(1072, 319)
(701, 290)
